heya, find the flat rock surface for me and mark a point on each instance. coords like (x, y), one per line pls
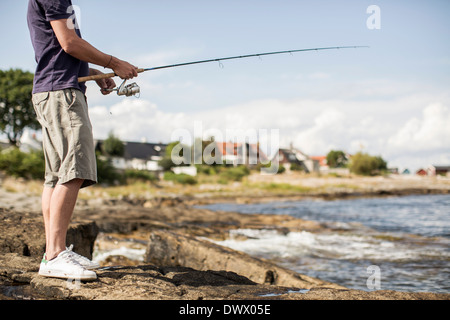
(148, 282)
(199, 270)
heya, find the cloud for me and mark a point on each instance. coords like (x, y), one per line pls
(314, 126)
(134, 119)
(325, 132)
(427, 134)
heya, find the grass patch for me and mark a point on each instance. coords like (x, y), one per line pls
(181, 178)
(137, 188)
(282, 187)
(20, 185)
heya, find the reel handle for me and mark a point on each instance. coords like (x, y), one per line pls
(103, 76)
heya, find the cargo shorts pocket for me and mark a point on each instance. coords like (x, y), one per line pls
(39, 100)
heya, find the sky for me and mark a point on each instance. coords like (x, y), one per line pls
(391, 99)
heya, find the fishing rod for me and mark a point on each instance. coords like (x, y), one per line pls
(133, 89)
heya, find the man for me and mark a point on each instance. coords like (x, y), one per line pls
(59, 101)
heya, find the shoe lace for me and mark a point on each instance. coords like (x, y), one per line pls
(68, 257)
(76, 255)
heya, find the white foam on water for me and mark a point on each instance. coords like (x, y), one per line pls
(130, 253)
(287, 292)
(272, 244)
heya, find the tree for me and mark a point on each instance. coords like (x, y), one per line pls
(367, 165)
(113, 146)
(29, 165)
(336, 159)
(176, 154)
(16, 108)
(166, 162)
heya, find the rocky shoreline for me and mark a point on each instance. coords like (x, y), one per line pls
(179, 264)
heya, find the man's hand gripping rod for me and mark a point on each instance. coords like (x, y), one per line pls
(123, 90)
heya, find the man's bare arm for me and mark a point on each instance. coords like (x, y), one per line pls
(72, 44)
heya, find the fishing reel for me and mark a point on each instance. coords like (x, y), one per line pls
(127, 90)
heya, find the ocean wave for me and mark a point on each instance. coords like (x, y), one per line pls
(272, 244)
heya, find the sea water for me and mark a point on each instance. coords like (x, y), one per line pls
(406, 239)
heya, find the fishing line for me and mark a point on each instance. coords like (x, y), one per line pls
(133, 89)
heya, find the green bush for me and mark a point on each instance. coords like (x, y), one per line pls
(281, 169)
(337, 159)
(106, 173)
(367, 165)
(29, 165)
(234, 173)
(166, 163)
(206, 169)
(180, 178)
(297, 167)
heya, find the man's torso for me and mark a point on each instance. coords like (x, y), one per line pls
(56, 70)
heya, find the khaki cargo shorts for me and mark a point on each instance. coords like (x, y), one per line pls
(66, 137)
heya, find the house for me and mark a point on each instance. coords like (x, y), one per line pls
(421, 172)
(393, 170)
(435, 170)
(292, 157)
(228, 152)
(406, 171)
(240, 153)
(288, 157)
(322, 161)
(138, 155)
(326, 169)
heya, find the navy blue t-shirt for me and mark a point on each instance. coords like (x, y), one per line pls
(56, 70)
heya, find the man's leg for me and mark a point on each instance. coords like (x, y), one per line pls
(57, 207)
(46, 199)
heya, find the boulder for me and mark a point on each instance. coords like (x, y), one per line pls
(166, 248)
(23, 233)
(18, 274)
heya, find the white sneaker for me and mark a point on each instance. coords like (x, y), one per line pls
(85, 262)
(66, 267)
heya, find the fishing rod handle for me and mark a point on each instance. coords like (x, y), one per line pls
(102, 76)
